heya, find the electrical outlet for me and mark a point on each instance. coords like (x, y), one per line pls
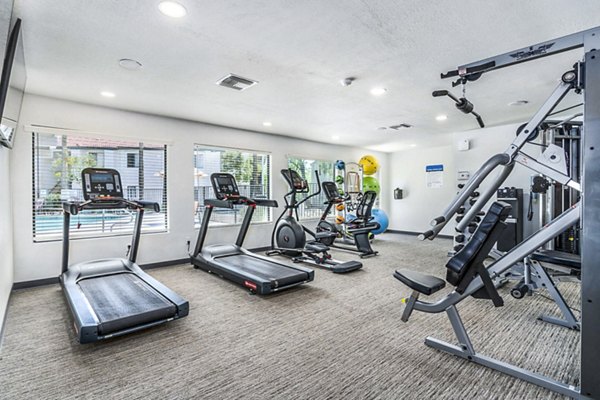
(463, 175)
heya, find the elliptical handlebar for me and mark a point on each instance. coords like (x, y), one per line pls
(293, 190)
(318, 192)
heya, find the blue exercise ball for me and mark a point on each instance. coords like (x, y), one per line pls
(382, 219)
(340, 164)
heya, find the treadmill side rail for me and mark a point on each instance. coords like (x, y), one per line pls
(86, 322)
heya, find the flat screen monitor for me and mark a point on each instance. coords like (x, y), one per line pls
(12, 86)
(99, 183)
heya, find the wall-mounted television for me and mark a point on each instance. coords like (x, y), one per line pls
(12, 86)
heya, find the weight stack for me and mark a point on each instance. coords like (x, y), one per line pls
(513, 234)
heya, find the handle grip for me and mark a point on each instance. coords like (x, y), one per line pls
(438, 220)
(149, 205)
(426, 235)
(479, 119)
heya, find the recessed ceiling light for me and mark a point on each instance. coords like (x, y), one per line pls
(130, 64)
(378, 91)
(518, 103)
(412, 145)
(107, 94)
(336, 137)
(172, 9)
(441, 117)
(267, 123)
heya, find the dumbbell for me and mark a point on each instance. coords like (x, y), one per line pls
(459, 238)
(458, 247)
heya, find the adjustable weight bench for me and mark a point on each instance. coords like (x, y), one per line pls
(465, 266)
(467, 273)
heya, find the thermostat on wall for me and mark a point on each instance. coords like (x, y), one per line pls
(463, 145)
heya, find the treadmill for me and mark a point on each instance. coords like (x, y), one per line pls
(113, 297)
(258, 274)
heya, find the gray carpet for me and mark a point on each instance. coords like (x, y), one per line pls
(339, 337)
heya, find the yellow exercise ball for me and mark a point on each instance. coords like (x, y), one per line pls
(369, 164)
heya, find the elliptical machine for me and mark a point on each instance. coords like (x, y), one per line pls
(289, 236)
(358, 230)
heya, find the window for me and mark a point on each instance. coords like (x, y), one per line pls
(314, 207)
(133, 160)
(252, 171)
(199, 160)
(58, 162)
(132, 192)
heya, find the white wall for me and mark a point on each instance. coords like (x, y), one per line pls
(6, 238)
(419, 204)
(42, 260)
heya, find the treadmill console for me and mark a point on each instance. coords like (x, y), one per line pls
(331, 191)
(101, 184)
(224, 186)
(294, 180)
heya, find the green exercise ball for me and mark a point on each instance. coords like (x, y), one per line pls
(371, 183)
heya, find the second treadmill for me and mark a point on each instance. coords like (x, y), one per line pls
(256, 273)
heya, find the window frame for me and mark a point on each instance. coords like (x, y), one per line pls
(135, 160)
(212, 224)
(57, 234)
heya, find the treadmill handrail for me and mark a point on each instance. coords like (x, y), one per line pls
(219, 203)
(109, 203)
(240, 200)
(266, 203)
(73, 208)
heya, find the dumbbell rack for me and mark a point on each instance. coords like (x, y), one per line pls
(461, 238)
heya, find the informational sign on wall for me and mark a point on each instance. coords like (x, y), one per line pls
(434, 176)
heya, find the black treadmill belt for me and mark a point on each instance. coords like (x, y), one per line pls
(269, 271)
(123, 301)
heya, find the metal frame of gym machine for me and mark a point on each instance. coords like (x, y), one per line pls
(585, 75)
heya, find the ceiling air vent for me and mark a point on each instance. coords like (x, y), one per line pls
(395, 127)
(236, 82)
(399, 126)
